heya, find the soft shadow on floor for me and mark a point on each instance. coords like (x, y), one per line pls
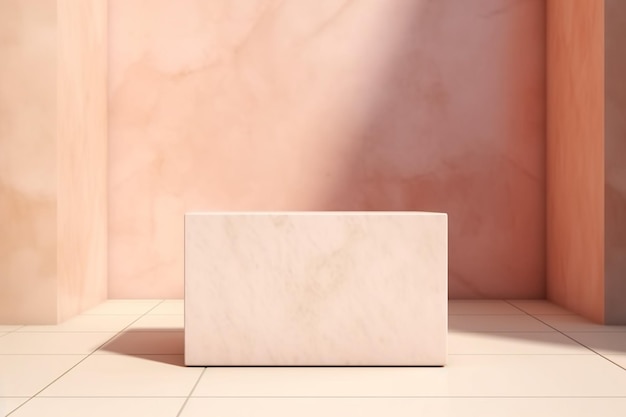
(559, 329)
(468, 333)
(160, 345)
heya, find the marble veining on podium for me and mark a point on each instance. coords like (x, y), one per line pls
(315, 288)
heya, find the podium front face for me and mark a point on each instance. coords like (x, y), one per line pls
(316, 288)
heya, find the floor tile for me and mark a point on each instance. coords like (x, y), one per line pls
(493, 307)
(159, 322)
(146, 343)
(574, 323)
(121, 375)
(605, 343)
(465, 375)
(52, 343)
(101, 407)
(515, 343)
(496, 323)
(539, 307)
(124, 307)
(86, 323)
(495, 353)
(170, 307)
(405, 407)
(25, 375)
(11, 403)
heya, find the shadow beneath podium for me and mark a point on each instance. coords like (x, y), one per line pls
(160, 345)
(168, 346)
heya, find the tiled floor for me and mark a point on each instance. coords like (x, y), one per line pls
(125, 358)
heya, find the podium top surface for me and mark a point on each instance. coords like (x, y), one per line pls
(318, 213)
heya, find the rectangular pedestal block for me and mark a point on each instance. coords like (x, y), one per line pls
(323, 288)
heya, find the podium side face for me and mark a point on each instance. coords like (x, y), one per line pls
(315, 289)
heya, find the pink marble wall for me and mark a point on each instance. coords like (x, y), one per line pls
(28, 261)
(82, 155)
(329, 105)
(53, 165)
(575, 156)
(615, 161)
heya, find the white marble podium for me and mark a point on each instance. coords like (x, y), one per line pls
(315, 288)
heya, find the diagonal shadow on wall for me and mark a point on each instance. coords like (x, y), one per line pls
(453, 121)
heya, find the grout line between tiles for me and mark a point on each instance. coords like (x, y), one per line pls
(457, 331)
(565, 312)
(89, 354)
(233, 397)
(191, 393)
(132, 301)
(107, 396)
(13, 331)
(69, 331)
(325, 396)
(329, 396)
(45, 354)
(521, 354)
(83, 332)
(523, 313)
(484, 314)
(599, 331)
(347, 366)
(152, 329)
(571, 338)
(83, 359)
